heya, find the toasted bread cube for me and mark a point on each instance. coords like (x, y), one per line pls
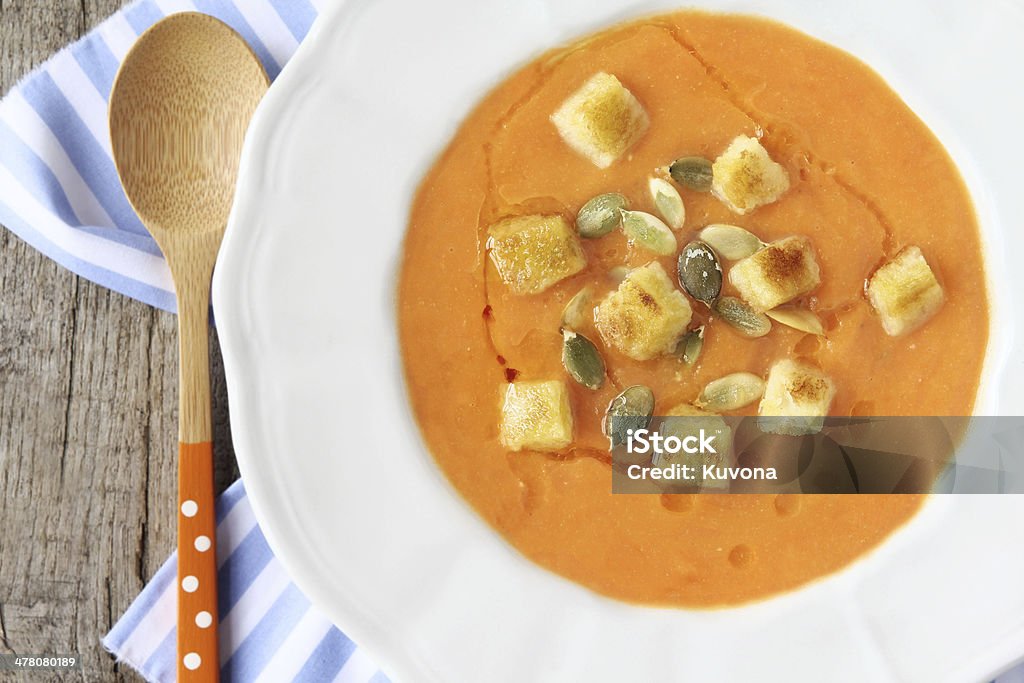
(744, 177)
(685, 421)
(797, 397)
(532, 253)
(645, 316)
(905, 292)
(601, 120)
(780, 272)
(536, 416)
(689, 410)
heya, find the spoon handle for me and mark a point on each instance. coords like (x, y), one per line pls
(198, 659)
(197, 565)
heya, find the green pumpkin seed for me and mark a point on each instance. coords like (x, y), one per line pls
(742, 317)
(700, 274)
(582, 360)
(692, 172)
(797, 318)
(731, 392)
(574, 315)
(730, 241)
(600, 215)
(649, 232)
(668, 202)
(632, 409)
(689, 347)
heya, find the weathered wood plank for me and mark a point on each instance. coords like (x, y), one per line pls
(88, 414)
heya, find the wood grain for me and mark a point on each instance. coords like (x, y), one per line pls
(88, 421)
(178, 112)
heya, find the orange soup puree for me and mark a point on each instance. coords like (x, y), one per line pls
(866, 180)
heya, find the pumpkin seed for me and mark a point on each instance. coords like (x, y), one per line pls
(574, 315)
(632, 409)
(730, 241)
(649, 232)
(797, 318)
(740, 315)
(668, 202)
(600, 215)
(582, 360)
(700, 274)
(692, 172)
(731, 392)
(689, 347)
(619, 273)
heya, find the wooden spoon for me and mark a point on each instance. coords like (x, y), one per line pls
(179, 110)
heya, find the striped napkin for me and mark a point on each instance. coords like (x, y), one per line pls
(59, 192)
(268, 629)
(59, 189)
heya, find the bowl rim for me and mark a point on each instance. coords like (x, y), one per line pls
(236, 311)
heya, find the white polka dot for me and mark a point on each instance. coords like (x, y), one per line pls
(204, 619)
(202, 543)
(192, 661)
(189, 584)
(189, 508)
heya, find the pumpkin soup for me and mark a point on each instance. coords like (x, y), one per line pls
(692, 214)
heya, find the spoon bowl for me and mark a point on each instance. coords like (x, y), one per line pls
(178, 113)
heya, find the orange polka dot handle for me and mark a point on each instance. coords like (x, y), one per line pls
(198, 659)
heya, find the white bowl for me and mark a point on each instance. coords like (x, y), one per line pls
(341, 483)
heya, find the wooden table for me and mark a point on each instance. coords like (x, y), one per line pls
(88, 421)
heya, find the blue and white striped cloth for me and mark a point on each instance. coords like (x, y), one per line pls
(59, 189)
(60, 193)
(269, 632)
